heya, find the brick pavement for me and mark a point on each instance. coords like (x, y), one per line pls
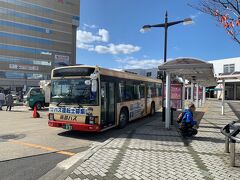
(152, 152)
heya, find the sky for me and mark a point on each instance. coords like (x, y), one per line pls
(109, 34)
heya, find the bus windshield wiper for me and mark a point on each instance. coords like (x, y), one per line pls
(59, 103)
(79, 104)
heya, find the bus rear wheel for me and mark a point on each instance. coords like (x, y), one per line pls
(123, 118)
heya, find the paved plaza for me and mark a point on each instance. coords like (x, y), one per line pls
(152, 152)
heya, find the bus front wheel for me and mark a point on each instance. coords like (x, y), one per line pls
(123, 118)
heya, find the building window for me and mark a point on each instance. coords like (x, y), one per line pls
(228, 68)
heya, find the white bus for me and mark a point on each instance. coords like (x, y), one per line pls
(87, 98)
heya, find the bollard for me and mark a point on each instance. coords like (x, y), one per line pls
(163, 114)
(35, 113)
(226, 144)
(172, 118)
(232, 153)
(227, 130)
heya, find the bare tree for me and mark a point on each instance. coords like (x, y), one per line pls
(226, 12)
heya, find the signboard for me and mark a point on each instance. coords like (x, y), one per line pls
(67, 110)
(176, 95)
(61, 60)
(176, 91)
(200, 92)
(75, 20)
(23, 67)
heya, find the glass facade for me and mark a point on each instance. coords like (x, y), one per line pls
(35, 37)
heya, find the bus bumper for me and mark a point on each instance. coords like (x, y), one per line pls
(75, 126)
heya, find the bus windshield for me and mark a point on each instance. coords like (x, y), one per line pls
(72, 91)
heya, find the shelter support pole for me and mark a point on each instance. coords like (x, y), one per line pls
(187, 93)
(168, 98)
(204, 94)
(197, 92)
(223, 96)
(192, 88)
(235, 91)
(232, 153)
(183, 95)
(200, 99)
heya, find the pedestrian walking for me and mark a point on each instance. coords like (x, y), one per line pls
(2, 99)
(9, 101)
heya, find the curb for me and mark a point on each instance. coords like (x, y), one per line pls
(64, 168)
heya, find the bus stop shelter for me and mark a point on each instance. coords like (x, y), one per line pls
(195, 71)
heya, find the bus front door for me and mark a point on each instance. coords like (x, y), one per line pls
(107, 104)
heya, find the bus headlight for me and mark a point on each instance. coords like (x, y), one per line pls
(51, 116)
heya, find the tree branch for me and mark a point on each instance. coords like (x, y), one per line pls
(234, 7)
(227, 12)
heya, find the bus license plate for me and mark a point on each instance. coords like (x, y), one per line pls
(67, 127)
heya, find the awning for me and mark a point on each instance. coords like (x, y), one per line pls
(233, 76)
(191, 69)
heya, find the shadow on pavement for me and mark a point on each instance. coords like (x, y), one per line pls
(213, 127)
(209, 139)
(115, 132)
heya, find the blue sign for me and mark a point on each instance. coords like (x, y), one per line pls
(68, 110)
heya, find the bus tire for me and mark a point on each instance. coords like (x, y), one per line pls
(123, 118)
(38, 105)
(153, 110)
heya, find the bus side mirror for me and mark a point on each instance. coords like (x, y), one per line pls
(94, 85)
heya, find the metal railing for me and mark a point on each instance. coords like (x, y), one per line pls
(230, 131)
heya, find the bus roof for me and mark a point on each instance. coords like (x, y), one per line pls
(114, 73)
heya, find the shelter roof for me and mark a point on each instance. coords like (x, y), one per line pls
(191, 69)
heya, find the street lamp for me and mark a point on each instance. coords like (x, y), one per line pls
(165, 26)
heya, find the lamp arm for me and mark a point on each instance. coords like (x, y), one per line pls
(175, 22)
(168, 24)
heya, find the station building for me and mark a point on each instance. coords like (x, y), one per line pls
(231, 68)
(35, 37)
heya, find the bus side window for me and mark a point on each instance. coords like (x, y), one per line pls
(153, 88)
(121, 91)
(129, 92)
(159, 90)
(149, 92)
(142, 91)
(136, 92)
(102, 93)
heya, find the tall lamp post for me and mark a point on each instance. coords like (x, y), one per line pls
(165, 26)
